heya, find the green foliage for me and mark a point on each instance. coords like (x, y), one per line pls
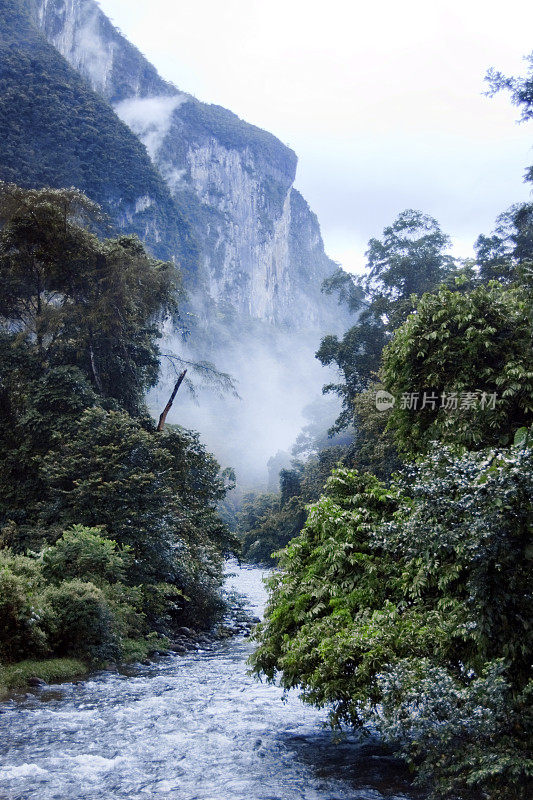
(475, 342)
(117, 521)
(113, 473)
(80, 622)
(84, 554)
(348, 292)
(154, 493)
(70, 600)
(373, 448)
(408, 260)
(467, 533)
(267, 522)
(50, 603)
(464, 740)
(410, 606)
(329, 576)
(21, 633)
(357, 356)
(78, 300)
(265, 527)
(503, 255)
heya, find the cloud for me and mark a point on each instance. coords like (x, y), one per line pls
(277, 378)
(150, 118)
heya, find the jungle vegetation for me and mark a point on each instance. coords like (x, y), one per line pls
(404, 603)
(110, 536)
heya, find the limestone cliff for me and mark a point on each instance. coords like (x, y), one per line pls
(261, 252)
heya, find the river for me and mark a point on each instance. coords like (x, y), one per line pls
(193, 727)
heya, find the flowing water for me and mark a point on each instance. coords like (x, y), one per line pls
(193, 727)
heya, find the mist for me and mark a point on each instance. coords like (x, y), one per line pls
(150, 118)
(277, 377)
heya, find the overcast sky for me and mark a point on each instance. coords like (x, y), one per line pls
(382, 102)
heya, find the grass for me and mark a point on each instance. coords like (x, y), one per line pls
(16, 676)
(53, 670)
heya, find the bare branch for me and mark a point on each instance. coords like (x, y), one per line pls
(163, 417)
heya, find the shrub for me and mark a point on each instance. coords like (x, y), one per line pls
(80, 622)
(85, 554)
(462, 736)
(21, 608)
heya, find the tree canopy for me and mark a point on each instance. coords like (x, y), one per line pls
(409, 259)
(109, 532)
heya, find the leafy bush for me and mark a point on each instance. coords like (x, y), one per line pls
(330, 615)
(84, 553)
(21, 608)
(80, 622)
(475, 342)
(463, 737)
(411, 606)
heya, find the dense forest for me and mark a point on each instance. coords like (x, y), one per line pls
(403, 596)
(110, 535)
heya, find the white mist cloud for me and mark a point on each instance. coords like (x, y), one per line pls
(150, 118)
(277, 378)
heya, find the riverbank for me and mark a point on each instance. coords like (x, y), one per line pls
(26, 674)
(31, 673)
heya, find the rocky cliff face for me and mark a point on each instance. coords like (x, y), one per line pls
(56, 131)
(261, 253)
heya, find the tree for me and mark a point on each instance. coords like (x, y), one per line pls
(410, 258)
(290, 484)
(503, 254)
(330, 583)
(267, 522)
(81, 301)
(408, 606)
(79, 329)
(471, 357)
(83, 553)
(356, 356)
(373, 448)
(521, 90)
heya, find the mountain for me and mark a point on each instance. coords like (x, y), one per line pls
(55, 131)
(81, 106)
(234, 179)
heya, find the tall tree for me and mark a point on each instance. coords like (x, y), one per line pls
(78, 300)
(409, 259)
(503, 254)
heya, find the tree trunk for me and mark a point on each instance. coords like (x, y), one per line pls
(163, 417)
(94, 370)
